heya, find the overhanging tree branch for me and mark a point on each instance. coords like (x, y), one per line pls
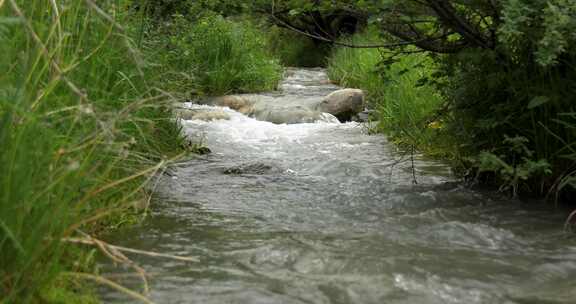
(448, 15)
(351, 45)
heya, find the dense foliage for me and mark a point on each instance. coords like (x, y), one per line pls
(506, 70)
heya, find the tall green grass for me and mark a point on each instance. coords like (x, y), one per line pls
(357, 67)
(80, 134)
(404, 107)
(213, 56)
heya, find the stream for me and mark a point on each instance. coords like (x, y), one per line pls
(325, 213)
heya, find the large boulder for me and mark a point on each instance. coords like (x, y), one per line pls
(345, 104)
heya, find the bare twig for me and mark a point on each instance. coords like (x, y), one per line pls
(117, 256)
(400, 160)
(568, 224)
(412, 150)
(131, 250)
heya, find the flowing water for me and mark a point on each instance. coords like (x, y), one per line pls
(324, 213)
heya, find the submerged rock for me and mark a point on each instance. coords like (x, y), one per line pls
(257, 168)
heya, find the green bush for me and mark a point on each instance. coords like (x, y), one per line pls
(80, 133)
(493, 99)
(214, 56)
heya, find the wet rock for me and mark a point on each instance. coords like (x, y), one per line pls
(238, 103)
(257, 168)
(285, 114)
(344, 104)
(202, 150)
(195, 147)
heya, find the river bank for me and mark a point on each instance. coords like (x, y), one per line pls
(81, 132)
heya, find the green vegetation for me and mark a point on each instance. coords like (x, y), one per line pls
(85, 122)
(505, 71)
(81, 131)
(404, 108)
(85, 90)
(212, 56)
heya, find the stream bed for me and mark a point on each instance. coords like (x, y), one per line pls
(325, 213)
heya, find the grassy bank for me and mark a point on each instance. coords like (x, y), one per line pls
(81, 132)
(86, 121)
(404, 108)
(211, 55)
(510, 128)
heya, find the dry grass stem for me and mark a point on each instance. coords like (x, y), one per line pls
(131, 250)
(46, 53)
(111, 284)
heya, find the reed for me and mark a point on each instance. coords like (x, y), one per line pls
(81, 132)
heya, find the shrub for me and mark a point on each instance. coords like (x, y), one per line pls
(492, 99)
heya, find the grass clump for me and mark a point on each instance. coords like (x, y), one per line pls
(81, 132)
(404, 106)
(213, 55)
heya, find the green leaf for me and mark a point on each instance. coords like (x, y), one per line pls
(294, 12)
(10, 20)
(538, 101)
(10, 236)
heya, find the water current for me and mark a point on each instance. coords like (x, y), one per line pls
(325, 213)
